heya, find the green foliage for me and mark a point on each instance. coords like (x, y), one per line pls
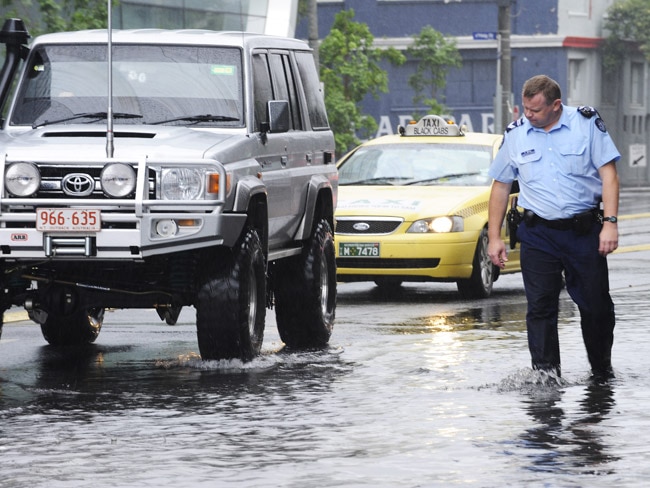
(303, 8)
(350, 70)
(628, 22)
(43, 16)
(434, 55)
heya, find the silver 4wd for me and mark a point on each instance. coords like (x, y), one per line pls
(177, 168)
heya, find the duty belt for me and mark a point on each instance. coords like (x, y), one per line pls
(581, 223)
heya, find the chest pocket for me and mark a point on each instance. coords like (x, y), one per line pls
(575, 156)
(529, 164)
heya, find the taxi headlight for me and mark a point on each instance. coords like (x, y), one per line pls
(22, 179)
(437, 225)
(118, 180)
(182, 184)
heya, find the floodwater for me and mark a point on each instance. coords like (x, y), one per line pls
(419, 389)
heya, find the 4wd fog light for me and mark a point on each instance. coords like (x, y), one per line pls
(166, 228)
(118, 180)
(22, 179)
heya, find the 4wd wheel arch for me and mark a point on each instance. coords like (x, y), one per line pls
(319, 204)
(247, 189)
(250, 198)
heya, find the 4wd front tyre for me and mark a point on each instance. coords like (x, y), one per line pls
(231, 302)
(305, 292)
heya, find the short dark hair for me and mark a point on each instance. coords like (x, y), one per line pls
(542, 84)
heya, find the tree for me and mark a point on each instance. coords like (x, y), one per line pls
(628, 22)
(59, 15)
(434, 55)
(350, 70)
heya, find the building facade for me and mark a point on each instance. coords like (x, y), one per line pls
(275, 17)
(560, 38)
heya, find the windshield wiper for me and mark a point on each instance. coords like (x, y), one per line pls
(198, 118)
(381, 180)
(443, 177)
(88, 115)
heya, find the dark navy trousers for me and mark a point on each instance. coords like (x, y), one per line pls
(545, 254)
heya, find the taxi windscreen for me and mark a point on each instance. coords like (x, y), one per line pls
(418, 164)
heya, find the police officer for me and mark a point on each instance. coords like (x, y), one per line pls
(564, 161)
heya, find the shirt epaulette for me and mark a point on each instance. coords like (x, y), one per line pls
(587, 111)
(513, 125)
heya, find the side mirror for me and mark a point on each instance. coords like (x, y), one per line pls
(278, 116)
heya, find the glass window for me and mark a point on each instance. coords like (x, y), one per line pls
(244, 15)
(418, 164)
(152, 84)
(576, 79)
(286, 88)
(636, 83)
(313, 91)
(262, 88)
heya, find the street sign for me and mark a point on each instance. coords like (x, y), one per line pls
(484, 36)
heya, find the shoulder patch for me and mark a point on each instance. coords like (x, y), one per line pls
(601, 125)
(513, 125)
(587, 111)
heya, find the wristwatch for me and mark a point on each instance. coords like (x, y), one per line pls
(612, 219)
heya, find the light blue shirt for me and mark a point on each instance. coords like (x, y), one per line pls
(557, 170)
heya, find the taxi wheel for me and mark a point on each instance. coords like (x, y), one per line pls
(484, 273)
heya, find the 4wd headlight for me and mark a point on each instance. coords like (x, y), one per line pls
(182, 184)
(437, 224)
(22, 179)
(118, 180)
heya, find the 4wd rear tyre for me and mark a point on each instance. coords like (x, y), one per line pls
(305, 292)
(2, 319)
(484, 273)
(231, 303)
(82, 326)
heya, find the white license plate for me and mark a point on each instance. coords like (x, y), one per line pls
(359, 250)
(68, 220)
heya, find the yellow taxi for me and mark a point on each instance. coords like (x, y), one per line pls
(413, 207)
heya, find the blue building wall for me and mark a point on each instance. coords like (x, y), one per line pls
(405, 18)
(469, 94)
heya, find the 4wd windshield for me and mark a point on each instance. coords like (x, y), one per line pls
(158, 84)
(417, 164)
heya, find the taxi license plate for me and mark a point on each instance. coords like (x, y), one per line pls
(359, 250)
(68, 220)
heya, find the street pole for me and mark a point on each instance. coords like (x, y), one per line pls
(313, 30)
(504, 68)
(498, 93)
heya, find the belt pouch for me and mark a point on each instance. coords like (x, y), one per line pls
(582, 222)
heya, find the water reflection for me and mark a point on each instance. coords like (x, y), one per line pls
(560, 441)
(492, 316)
(82, 381)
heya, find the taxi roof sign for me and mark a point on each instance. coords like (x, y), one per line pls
(431, 125)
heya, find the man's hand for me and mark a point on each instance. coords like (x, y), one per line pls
(497, 252)
(608, 239)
